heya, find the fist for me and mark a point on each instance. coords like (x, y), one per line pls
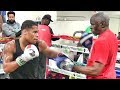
(30, 52)
(63, 62)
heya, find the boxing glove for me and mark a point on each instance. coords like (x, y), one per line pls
(30, 52)
(86, 40)
(63, 62)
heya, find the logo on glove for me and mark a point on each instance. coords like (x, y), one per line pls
(32, 52)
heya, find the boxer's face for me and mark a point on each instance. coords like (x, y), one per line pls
(32, 35)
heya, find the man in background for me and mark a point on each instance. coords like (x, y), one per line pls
(11, 27)
(45, 33)
(102, 57)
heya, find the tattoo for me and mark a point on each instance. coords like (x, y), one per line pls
(8, 51)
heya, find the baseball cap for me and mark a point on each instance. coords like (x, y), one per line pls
(47, 16)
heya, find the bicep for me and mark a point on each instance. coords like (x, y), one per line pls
(46, 50)
(7, 53)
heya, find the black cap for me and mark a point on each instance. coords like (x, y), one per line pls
(47, 16)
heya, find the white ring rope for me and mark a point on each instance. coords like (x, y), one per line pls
(65, 72)
(71, 48)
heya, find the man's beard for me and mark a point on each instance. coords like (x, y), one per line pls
(11, 21)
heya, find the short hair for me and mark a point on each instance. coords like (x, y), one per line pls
(28, 24)
(102, 17)
(11, 12)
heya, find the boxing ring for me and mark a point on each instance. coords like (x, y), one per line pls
(52, 66)
(83, 51)
(55, 68)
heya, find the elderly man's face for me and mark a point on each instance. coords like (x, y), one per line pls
(95, 26)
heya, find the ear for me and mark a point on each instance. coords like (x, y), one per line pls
(103, 24)
(24, 32)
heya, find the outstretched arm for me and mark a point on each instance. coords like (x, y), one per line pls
(53, 39)
(90, 70)
(47, 51)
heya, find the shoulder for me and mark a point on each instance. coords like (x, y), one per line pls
(101, 43)
(49, 27)
(42, 45)
(10, 46)
(17, 23)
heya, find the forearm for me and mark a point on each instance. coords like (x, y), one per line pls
(7, 32)
(85, 70)
(10, 66)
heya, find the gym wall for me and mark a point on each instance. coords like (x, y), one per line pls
(63, 27)
(33, 15)
(114, 25)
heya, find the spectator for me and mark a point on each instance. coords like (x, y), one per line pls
(11, 27)
(45, 31)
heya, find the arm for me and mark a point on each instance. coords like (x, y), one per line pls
(47, 51)
(9, 65)
(6, 30)
(51, 31)
(89, 70)
(100, 57)
(17, 29)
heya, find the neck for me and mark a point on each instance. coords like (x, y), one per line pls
(104, 29)
(23, 42)
(43, 24)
